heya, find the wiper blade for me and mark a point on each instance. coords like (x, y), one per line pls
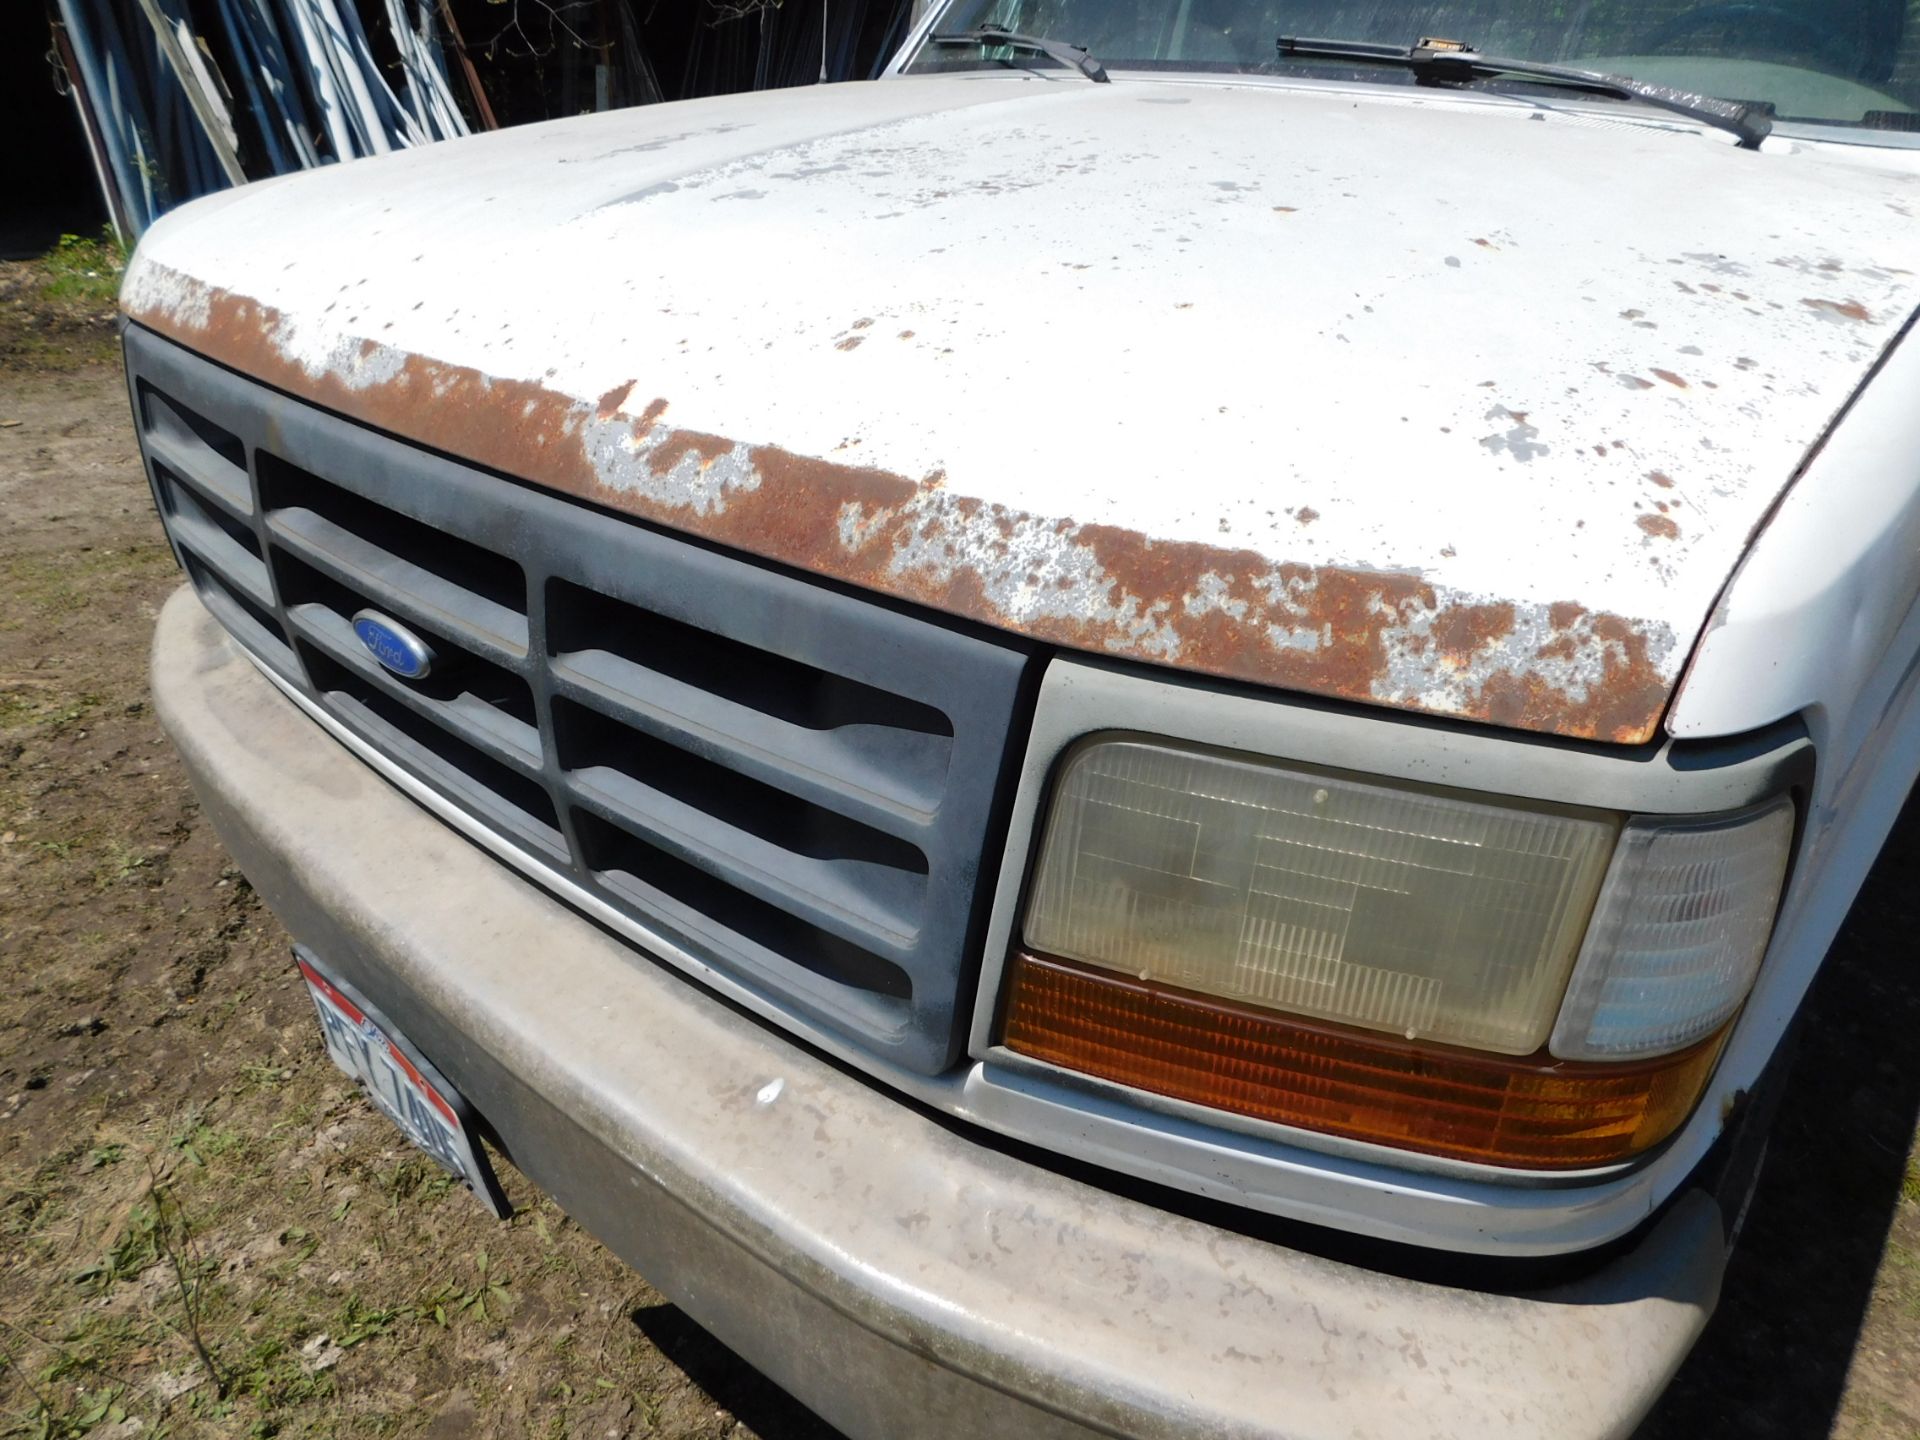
(1075, 57)
(1448, 62)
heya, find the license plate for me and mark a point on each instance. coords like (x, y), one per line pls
(399, 1080)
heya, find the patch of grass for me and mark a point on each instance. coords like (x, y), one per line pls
(1910, 1183)
(299, 1118)
(265, 1077)
(413, 1179)
(271, 1374)
(23, 1208)
(59, 583)
(84, 270)
(489, 1289)
(60, 849)
(57, 311)
(94, 1348)
(136, 1248)
(120, 863)
(487, 1298)
(1900, 1268)
(201, 1142)
(89, 1411)
(358, 1322)
(28, 702)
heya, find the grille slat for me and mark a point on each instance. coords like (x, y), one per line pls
(787, 785)
(507, 799)
(811, 764)
(208, 458)
(771, 698)
(408, 590)
(481, 724)
(842, 979)
(845, 897)
(196, 530)
(256, 630)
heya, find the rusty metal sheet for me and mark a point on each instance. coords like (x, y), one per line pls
(1217, 382)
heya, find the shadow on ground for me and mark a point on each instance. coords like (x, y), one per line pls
(756, 1401)
(1794, 1314)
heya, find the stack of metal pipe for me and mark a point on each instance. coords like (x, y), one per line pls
(183, 97)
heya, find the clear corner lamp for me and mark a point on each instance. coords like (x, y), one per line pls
(1495, 981)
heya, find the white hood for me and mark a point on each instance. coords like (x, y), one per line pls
(1450, 403)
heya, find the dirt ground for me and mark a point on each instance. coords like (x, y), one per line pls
(205, 1231)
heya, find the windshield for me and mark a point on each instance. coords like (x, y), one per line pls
(1844, 62)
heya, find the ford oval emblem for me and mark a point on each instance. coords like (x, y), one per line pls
(393, 645)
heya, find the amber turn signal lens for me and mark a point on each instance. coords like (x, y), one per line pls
(1533, 1112)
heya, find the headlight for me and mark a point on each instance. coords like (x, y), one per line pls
(1678, 934)
(1427, 916)
(1387, 962)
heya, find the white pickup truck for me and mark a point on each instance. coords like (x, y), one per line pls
(1147, 731)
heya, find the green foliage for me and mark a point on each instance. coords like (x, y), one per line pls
(358, 1322)
(414, 1179)
(84, 270)
(90, 1411)
(487, 1298)
(137, 1247)
(265, 1077)
(201, 1142)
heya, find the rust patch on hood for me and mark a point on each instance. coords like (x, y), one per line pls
(611, 402)
(1845, 309)
(1659, 525)
(1466, 629)
(665, 458)
(1376, 637)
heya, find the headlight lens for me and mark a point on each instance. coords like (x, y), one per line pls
(1419, 914)
(1534, 1113)
(1385, 962)
(1678, 934)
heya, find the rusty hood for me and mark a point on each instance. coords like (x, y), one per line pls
(1453, 404)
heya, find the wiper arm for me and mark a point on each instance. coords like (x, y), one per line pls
(1448, 62)
(1075, 57)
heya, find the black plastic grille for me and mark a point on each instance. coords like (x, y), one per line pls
(791, 783)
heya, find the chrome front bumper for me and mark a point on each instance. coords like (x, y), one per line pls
(892, 1272)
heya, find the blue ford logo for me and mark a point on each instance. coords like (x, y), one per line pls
(393, 645)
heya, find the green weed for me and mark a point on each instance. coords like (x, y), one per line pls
(265, 1077)
(357, 1322)
(84, 270)
(414, 1179)
(137, 1247)
(201, 1142)
(89, 1411)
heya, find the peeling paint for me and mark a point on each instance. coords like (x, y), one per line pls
(1659, 526)
(1521, 441)
(1375, 637)
(1842, 309)
(1339, 511)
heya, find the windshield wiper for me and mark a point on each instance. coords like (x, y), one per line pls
(1073, 56)
(1448, 62)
